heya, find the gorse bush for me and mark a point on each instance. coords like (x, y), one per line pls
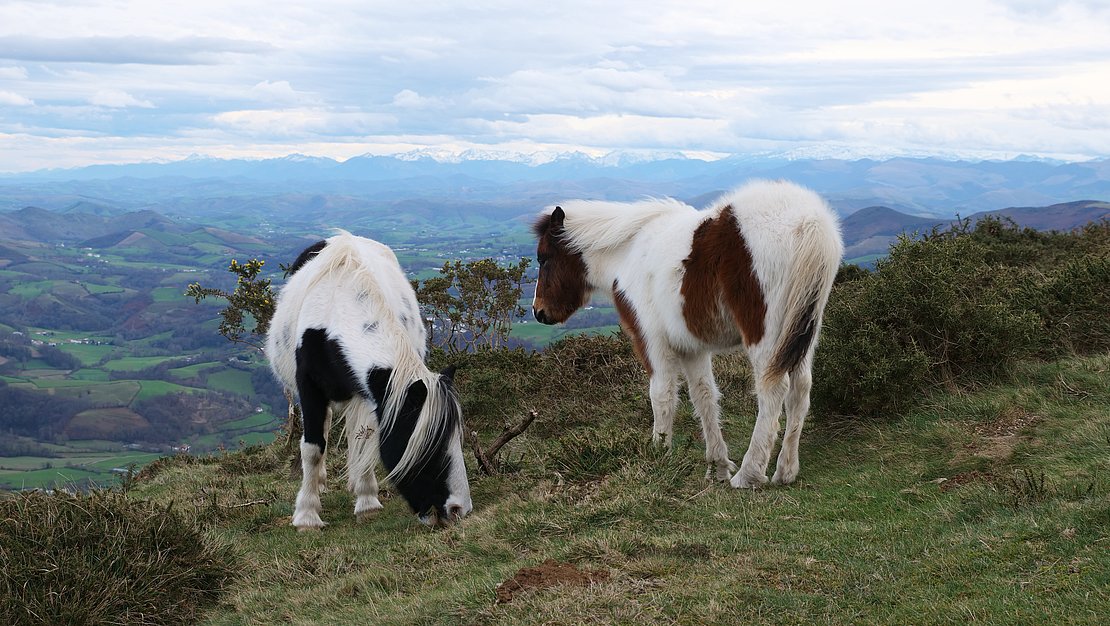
(104, 559)
(582, 380)
(959, 307)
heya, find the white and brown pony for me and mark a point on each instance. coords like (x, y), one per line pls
(347, 336)
(754, 270)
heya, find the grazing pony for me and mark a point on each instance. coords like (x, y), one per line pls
(754, 270)
(347, 335)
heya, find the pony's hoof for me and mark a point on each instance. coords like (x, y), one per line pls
(661, 440)
(720, 471)
(782, 477)
(743, 481)
(366, 511)
(305, 522)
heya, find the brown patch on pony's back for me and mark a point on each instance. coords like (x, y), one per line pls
(630, 323)
(720, 280)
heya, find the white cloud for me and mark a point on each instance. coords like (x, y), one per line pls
(1026, 75)
(409, 99)
(116, 99)
(303, 122)
(8, 98)
(13, 72)
(281, 92)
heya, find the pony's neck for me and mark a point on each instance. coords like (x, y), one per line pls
(601, 231)
(598, 227)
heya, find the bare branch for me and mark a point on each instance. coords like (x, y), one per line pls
(487, 460)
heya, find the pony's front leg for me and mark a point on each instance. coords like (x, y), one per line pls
(314, 408)
(753, 469)
(362, 457)
(706, 398)
(663, 390)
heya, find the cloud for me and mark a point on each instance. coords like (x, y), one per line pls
(232, 77)
(302, 122)
(194, 50)
(13, 72)
(8, 98)
(409, 99)
(115, 99)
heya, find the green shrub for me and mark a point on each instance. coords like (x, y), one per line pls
(577, 381)
(1074, 302)
(103, 559)
(958, 307)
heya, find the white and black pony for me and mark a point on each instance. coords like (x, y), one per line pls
(754, 270)
(347, 336)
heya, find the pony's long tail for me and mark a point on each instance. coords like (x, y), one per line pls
(342, 257)
(817, 258)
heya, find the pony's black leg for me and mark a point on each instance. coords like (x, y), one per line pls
(315, 412)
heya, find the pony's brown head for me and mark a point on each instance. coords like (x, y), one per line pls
(561, 288)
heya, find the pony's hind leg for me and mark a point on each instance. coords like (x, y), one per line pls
(706, 398)
(362, 456)
(797, 405)
(663, 390)
(753, 469)
(315, 412)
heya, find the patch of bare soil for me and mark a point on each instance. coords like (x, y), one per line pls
(996, 440)
(547, 574)
(1011, 421)
(964, 478)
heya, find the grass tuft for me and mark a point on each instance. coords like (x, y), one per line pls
(102, 558)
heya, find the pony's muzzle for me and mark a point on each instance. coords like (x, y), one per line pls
(541, 316)
(453, 513)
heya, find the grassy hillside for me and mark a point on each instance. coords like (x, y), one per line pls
(985, 507)
(954, 469)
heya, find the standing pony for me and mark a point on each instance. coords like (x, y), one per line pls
(754, 270)
(347, 336)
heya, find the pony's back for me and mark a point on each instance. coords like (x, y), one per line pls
(355, 289)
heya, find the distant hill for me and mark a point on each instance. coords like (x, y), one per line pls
(34, 223)
(870, 231)
(1064, 216)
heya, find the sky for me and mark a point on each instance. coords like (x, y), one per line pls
(102, 81)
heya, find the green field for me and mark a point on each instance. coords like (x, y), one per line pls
(252, 421)
(135, 363)
(94, 288)
(87, 353)
(31, 289)
(233, 380)
(155, 388)
(191, 371)
(89, 374)
(169, 294)
(28, 472)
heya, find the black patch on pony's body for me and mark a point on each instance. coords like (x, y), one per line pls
(425, 486)
(305, 256)
(323, 376)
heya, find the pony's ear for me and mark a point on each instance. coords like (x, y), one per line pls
(557, 217)
(449, 373)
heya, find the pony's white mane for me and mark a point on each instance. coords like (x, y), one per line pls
(342, 259)
(593, 225)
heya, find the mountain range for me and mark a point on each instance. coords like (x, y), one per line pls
(297, 183)
(867, 232)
